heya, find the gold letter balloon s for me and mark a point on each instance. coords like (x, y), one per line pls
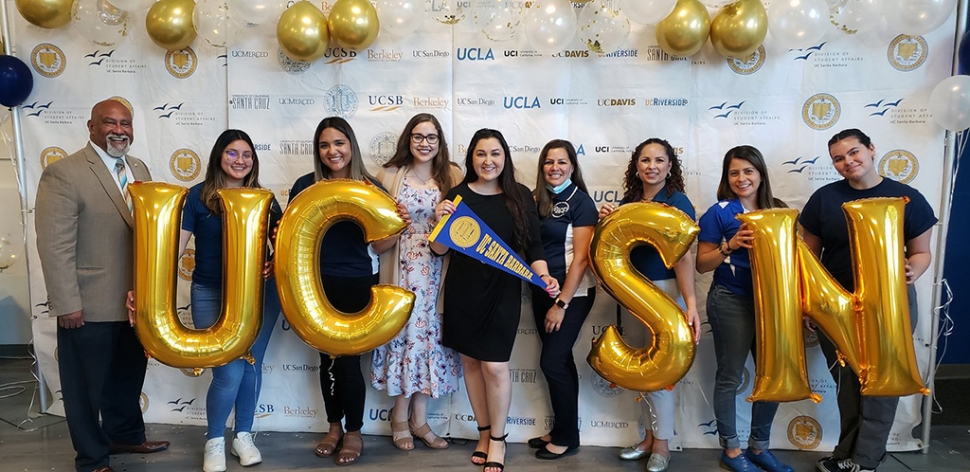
(671, 352)
(157, 212)
(305, 305)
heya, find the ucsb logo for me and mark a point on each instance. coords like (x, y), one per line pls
(264, 408)
(522, 102)
(385, 100)
(474, 54)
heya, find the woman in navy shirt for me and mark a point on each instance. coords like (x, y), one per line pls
(567, 218)
(654, 175)
(723, 247)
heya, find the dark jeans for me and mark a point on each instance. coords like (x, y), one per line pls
(341, 380)
(733, 326)
(102, 369)
(557, 363)
(866, 420)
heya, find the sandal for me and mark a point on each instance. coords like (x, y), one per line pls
(492, 464)
(350, 452)
(422, 432)
(482, 456)
(401, 435)
(327, 446)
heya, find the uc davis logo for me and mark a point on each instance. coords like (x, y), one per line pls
(899, 165)
(185, 164)
(907, 53)
(341, 101)
(799, 165)
(882, 106)
(382, 147)
(143, 402)
(181, 63)
(805, 432)
(187, 265)
(750, 64)
(51, 155)
(603, 387)
(48, 60)
(474, 54)
(289, 65)
(821, 111)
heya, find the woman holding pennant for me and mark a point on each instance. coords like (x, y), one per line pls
(481, 302)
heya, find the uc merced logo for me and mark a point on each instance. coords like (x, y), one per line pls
(51, 155)
(805, 432)
(185, 165)
(382, 147)
(750, 64)
(181, 63)
(907, 53)
(48, 60)
(821, 111)
(899, 165)
(341, 101)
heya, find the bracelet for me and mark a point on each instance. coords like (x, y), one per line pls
(544, 275)
(720, 249)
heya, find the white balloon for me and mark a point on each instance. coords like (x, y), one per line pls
(211, 20)
(100, 22)
(258, 12)
(797, 24)
(550, 25)
(602, 28)
(448, 12)
(950, 103)
(401, 17)
(854, 16)
(916, 17)
(498, 20)
(647, 12)
(133, 5)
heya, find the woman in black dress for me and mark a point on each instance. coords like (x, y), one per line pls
(482, 304)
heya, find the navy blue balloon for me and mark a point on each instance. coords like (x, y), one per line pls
(16, 81)
(964, 54)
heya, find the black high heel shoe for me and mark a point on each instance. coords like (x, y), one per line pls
(492, 464)
(481, 454)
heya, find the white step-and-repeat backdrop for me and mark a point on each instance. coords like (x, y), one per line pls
(787, 103)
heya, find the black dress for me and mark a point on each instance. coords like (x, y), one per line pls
(482, 303)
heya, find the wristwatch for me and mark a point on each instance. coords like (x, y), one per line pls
(561, 304)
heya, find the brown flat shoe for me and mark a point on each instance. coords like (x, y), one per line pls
(327, 446)
(350, 452)
(428, 437)
(400, 434)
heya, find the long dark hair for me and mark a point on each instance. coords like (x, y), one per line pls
(357, 169)
(633, 186)
(543, 195)
(506, 182)
(441, 165)
(751, 154)
(215, 177)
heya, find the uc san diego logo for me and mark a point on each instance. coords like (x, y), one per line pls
(907, 53)
(382, 147)
(181, 63)
(805, 432)
(48, 60)
(899, 165)
(185, 165)
(341, 101)
(51, 155)
(187, 265)
(750, 64)
(821, 111)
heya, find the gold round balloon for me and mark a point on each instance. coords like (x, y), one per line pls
(739, 28)
(46, 13)
(354, 23)
(157, 212)
(671, 352)
(305, 221)
(685, 30)
(302, 32)
(169, 24)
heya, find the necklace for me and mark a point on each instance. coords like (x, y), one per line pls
(423, 181)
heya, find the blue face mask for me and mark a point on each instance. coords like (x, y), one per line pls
(559, 188)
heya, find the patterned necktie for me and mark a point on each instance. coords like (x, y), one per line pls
(123, 180)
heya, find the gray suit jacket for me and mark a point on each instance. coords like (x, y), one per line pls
(84, 236)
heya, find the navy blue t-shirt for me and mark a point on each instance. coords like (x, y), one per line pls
(645, 258)
(207, 229)
(343, 251)
(823, 217)
(719, 224)
(571, 208)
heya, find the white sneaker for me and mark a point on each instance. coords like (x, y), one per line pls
(215, 455)
(244, 448)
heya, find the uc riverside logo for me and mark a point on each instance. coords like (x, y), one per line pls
(181, 63)
(899, 165)
(48, 60)
(185, 165)
(821, 111)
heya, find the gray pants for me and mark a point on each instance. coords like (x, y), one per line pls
(866, 420)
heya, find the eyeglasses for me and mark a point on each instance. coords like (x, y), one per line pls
(233, 155)
(417, 138)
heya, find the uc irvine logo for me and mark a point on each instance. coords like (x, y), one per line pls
(185, 165)
(907, 53)
(821, 111)
(51, 155)
(48, 60)
(899, 165)
(341, 101)
(749, 65)
(181, 63)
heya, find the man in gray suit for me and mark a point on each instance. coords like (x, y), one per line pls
(84, 239)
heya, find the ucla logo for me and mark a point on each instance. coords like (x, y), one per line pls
(580, 151)
(124, 101)
(603, 387)
(143, 402)
(805, 432)
(821, 111)
(181, 63)
(289, 65)
(750, 64)
(899, 165)
(907, 53)
(341, 101)
(382, 147)
(51, 155)
(185, 164)
(522, 102)
(48, 60)
(474, 54)
(187, 265)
